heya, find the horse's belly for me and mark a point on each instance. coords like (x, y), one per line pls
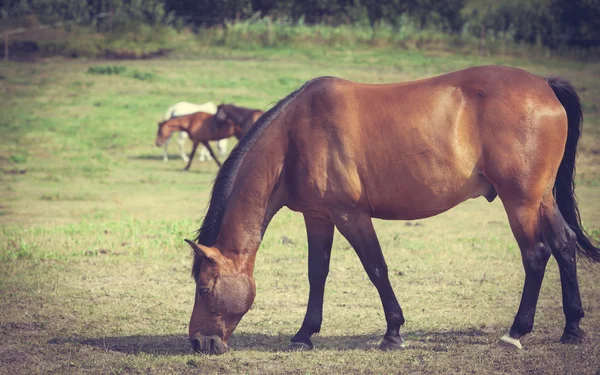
(413, 199)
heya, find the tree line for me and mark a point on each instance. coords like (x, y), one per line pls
(552, 23)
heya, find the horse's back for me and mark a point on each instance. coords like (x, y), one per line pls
(200, 128)
(185, 108)
(414, 149)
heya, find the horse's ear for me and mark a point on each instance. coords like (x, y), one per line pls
(202, 251)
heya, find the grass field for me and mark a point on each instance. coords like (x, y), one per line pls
(94, 273)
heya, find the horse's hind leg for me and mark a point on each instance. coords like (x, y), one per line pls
(203, 155)
(222, 146)
(540, 231)
(563, 242)
(320, 238)
(358, 230)
(525, 219)
(194, 147)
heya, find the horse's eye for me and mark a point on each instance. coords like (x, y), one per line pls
(203, 290)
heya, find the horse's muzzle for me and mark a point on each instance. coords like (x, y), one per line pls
(208, 344)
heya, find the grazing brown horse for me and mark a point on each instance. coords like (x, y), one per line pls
(242, 117)
(342, 153)
(199, 128)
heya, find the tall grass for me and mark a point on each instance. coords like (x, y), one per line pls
(142, 41)
(127, 42)
(265, 32)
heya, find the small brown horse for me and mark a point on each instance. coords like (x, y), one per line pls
(199, 128)
(342, 153)
(242, 117)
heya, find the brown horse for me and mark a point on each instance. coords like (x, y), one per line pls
(242, 117)
(199, 128)
(342, 153)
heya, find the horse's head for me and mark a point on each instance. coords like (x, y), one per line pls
(164, 133)
(221, 118)
(223, 295)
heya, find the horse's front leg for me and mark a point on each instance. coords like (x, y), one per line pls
(207, 145)
(320, 239)
(165, 151)
(191, 156)
(358, 229)
(181, 143)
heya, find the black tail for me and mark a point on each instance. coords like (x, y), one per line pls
(564, 186)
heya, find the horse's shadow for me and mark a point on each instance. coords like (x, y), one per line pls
(179, 345)
(150, 157)
(158, 157)
(200, 167)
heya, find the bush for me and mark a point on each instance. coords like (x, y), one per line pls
(121, 70)
(106, 69)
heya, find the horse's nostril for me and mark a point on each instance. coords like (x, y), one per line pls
(196, 344)
(208, 344)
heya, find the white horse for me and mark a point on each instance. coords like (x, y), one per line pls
(185, 108)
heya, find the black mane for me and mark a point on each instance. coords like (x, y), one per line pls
(224, 182)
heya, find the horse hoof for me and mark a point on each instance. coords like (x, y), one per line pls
(392, 343)
(510, 343)
(300, 346)
(575, 336)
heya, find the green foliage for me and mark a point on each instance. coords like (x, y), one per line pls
(125, 12)
(106, 69)
(18, 158)
(576, 22)
(144, 28)
(120, 70)
(142, 76)
(552, 23)
(262, 32)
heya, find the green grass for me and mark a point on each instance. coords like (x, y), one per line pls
(94, 273)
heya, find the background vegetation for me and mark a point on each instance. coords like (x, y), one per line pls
(145, 28)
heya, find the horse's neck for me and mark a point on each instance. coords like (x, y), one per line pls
(182, 124)
(256, 197)
(238, 114)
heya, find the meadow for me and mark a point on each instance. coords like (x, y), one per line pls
(95, 275)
